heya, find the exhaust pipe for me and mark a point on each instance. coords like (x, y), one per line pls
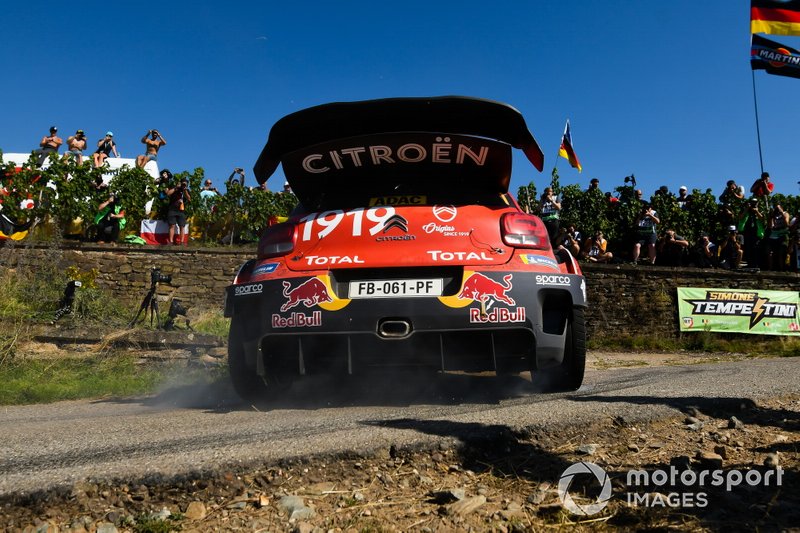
(394, 328)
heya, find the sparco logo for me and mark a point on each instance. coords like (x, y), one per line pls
(242, 290)
(552, 279)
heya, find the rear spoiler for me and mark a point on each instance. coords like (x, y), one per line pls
(445, 114)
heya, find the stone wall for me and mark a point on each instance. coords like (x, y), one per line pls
(623, 299)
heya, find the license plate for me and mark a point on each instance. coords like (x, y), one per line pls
(396, 288)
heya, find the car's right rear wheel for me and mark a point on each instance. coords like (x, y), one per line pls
(568, 376)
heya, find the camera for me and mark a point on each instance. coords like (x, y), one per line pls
(157, 277)
(631, 179)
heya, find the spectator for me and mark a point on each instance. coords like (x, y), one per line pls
(110, 220)
(76, 144)
(261, 187)
(594, 185)
(549, 208)
(673, 249)
(105, 146)
(594, 249)
(704, 252)
(153, 143)
(730, 199)
(209, 191)
(639, 195)
(287, 188)
(646, 223)
(611, 198)
(777, 238)
(568, 239)
(731, 252)
(48, 145)
(752, 224)
(237, 176)
(762, 186)
(684, 198)
(179, 197)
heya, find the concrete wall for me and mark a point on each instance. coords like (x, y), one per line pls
(623, 299)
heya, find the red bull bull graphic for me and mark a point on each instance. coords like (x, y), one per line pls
(310, 293)
(487, 292)
(483, 289)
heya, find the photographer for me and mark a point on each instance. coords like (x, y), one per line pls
(777, 240)
(110, 220)
(752, 227)
(154, 141)
(672, 249)
(704, 252)
(179, 198)
(646, 233)
(730, 251)
(549, 207)
(209, 191)
(237, 180)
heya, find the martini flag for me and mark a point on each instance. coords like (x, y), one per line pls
(566, 151)
(776, 17)
(774, 57)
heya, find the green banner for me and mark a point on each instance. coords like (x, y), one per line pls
(738, 311)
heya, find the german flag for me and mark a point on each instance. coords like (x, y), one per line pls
(566, 151)
(776, 17)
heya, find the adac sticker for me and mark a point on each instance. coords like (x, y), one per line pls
(266, 268)
(531, 259)
(409, 199)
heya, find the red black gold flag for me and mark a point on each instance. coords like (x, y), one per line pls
(774, 57)
(776, 17)
(566, 150)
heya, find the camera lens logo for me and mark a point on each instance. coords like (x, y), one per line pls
(565, 482)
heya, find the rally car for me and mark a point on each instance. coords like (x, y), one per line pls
(406, 249)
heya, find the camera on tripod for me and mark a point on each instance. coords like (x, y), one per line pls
(631, 179)
(157, 277)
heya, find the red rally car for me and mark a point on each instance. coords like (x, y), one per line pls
(406, 249)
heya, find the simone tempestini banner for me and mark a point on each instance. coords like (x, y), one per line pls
(738, 311)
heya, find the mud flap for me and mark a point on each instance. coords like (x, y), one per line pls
(550, 348)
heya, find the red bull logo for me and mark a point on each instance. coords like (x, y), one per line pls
(483, 289)
(309, 293)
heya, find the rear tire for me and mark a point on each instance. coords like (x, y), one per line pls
(568, 376)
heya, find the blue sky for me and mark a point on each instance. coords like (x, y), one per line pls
(659, 89)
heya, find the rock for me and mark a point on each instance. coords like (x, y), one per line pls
(710, 460)
(588, 449)
(772, 460)
(106, 527)
(465, 506)
(240, 505)
(442, 497)
(295, 507)
(163, 514)
(425, 480)
(358, 497)
(633, 448)
(303, 527)
(681, 462)
(696, 426)
(692, 412)
(735, 423)
(656, 445)
(722, 451)
(514, 510)
(691, 420)
(195, 511)
(263, 501)
(780, 438)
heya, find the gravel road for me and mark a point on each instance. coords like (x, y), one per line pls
(186, 429)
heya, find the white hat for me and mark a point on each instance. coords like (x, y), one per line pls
(683, 188)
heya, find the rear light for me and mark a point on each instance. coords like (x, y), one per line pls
(277, 240)
(524, 231)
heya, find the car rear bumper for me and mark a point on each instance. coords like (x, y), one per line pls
(491, 320)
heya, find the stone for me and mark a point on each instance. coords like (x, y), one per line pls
(722, 451)
(633, 448)
(735, 423)
(195, 511)
(106, 527)
(692, 412)
(710, 460)
(691, 420)
(656, 445)
(696, 426)
(303, 527)
(772, 460)
(466, 506)
(588, 449)
(447, 496)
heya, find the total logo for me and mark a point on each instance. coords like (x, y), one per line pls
(243, 290)
(445, 213)
(553, 279)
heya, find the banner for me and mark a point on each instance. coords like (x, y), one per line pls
(776, 17)
(567, 151)
(738, 311)
(157, 232)
(774, 57)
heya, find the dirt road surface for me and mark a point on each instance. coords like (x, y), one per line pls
(56, 459)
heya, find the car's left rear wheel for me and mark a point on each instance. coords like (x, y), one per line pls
(246, 382)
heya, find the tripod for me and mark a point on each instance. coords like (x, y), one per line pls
(148, 302)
